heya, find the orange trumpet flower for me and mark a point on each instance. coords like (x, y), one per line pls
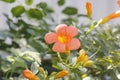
(63, 38)
(109, 17)
(29, 75)
(61, 74)
(89, 9)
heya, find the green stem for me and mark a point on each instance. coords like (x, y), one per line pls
(67, 60)
(90, 47)
(61, 60)
(95, 52)
(6, 76)
(58, 54)
(93, 26)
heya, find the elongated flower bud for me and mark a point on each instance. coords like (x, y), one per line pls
(118, 3)
(61, 74)
(109, 17)
(83, 59)
(81, 56)
(88, 63)
(89, 9)
(29, 75)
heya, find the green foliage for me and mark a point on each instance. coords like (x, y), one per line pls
(42, 5)
(28, 2)
(46, 9)
(9, 1)
(70, 11)
(35, 13)
(18, 10)
(61, 2)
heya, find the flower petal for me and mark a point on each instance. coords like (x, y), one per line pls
(74, 44)
(61, 29)
(50, 37)
(61, 74)
(110, 17)
(72, 31)
(58, 47)
(29, 75)
(88, 63)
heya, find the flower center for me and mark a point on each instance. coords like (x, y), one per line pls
(64, 38)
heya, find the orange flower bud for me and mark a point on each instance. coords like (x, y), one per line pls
(118, 3)
(89, 9)
(84, 75)
(83, 59)
(109, 17)
(61, 74)
(88, 63)
(29, 75)
(82, 55)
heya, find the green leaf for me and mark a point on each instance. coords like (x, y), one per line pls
(42, 5)
(35, 13)
(19, 63)
(37, 45)
(49, 10)
(9, 1)
(31, 56)
(61, 2)
(10, 59)
(82, 15)
(17, 11)
(70, 11)
(34, 67)
(4, 34)
(113, 75)
(56, 66)
(28, 2)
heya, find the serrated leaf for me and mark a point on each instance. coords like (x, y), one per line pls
(28, 2)
(70, 11)
(9, 1)
(18, 10)
(35, 13)
(61, 2)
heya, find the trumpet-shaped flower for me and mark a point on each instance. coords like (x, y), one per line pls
(83, 59)
(89, 9)
(29, 75)
(109, 17)
(61, 74)
(63, 38)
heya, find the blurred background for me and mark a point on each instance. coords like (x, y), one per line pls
(101, 8)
